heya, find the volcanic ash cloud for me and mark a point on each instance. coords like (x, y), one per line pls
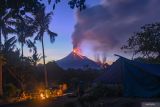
(107, 26)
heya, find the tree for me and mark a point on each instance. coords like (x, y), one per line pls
(35, 57)
(6, 48)
(20, 72)
(80, 4)
(42, 20)
(2, 62)
(9, 45)
(24, 29)
(145, 42)
(5, 27)
(12, 9)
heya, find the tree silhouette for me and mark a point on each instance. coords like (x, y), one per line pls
(35, 57)
(80, 4)
(24, 29)
(5, 27)
(6, 49)
(9, 45)
(146, 42)
(42, 20)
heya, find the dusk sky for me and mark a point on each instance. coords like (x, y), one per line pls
(100, 29)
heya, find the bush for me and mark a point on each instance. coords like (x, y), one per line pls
(11, 90)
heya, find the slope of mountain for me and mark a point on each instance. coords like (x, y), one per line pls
(76, 61)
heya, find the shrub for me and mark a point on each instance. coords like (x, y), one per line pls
(11, 90)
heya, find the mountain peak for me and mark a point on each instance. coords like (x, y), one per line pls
(77, 61)
(77, 55)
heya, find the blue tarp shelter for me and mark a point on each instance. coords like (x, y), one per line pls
(138, 79)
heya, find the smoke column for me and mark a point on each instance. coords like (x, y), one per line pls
(106, 27)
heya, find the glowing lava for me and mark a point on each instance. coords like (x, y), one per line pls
(77, 51)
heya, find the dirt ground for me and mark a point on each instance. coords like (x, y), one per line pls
(74, 102)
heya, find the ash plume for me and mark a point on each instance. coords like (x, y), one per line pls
(107, 26)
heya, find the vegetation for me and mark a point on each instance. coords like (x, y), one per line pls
(42, 21)
(146, 43)
(25, 19)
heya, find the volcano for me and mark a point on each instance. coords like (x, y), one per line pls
(77, 61)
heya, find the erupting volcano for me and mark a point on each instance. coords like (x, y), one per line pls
(76, 60)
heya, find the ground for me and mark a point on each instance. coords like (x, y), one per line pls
(73, 102)
(58, 102)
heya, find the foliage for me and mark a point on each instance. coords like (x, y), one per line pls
(19, 6)
(24, 18)
(149, 60)
(80, 4)
(42, 21)
(5, 29)
(20, 72)
(146, 42)
(9, 45)
(11, 90)
(35, 58)
(24, 27)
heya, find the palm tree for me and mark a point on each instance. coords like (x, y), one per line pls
(42, 20)
(5, 27)
(35, 57)
(9, 45)
(7, 48)
(24, 29)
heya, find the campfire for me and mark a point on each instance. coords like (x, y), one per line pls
(42, 94)
(47, 93)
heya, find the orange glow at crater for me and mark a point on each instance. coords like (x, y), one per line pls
(77, 51)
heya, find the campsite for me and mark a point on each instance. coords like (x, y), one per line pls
(79, 53)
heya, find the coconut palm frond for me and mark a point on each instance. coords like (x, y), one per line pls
(7, 16)
(30, 44)
(11, 22)
(7, 30)
(39, 35)
(10, 30)
(52, 35)
(47, 19)
(9, 45)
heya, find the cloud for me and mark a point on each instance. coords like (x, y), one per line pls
(107, 26)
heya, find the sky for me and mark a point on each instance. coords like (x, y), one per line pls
(62, 23)
(101, 29)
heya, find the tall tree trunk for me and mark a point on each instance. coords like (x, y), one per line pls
(45, 70)
(0, 41)
(1, 85)
(1, 64)
(22, 50)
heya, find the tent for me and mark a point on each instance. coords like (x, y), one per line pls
(138, 79)
(113, 75)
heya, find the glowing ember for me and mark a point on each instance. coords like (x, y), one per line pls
(77, 51)
(42, 96)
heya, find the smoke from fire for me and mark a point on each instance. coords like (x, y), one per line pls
(107, 26)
